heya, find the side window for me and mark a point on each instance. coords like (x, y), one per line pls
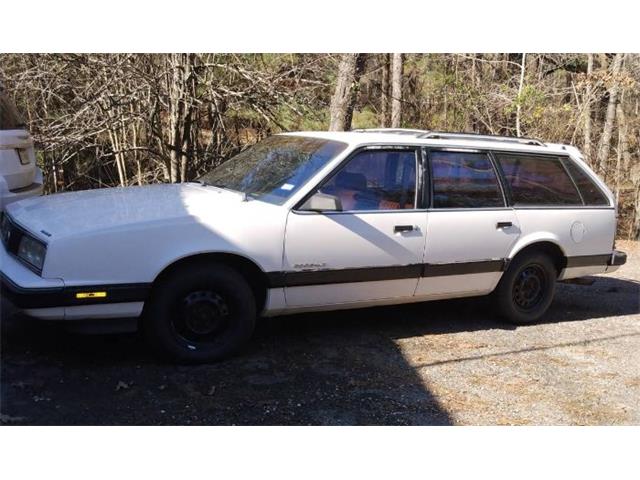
(464, 180)
(376, 180)
(591, 194)
(538, 180)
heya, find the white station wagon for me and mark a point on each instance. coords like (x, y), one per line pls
(315, 221)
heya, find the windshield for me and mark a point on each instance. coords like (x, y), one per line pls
(273, 169)
(10, 119)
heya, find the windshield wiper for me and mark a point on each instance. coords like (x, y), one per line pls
(207, 184)
(223, 187)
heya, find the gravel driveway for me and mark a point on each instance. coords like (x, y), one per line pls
(447, 362)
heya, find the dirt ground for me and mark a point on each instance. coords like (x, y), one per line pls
(448, 362)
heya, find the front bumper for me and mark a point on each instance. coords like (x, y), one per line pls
(23, 289)
(28, 298)
(61, 296)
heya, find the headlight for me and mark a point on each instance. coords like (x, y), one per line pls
(32, 251)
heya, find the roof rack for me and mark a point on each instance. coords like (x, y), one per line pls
(477, 136)
(399, 131)
(453, 135)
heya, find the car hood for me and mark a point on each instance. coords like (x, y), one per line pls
(76, 213)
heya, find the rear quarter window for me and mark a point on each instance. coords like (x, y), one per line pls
(591, 193)
(538, 180)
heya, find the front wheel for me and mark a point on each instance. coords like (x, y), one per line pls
(200, 314)
(526, 289)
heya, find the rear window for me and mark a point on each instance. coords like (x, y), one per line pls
(10, 119)
(538, 181)
(464, 180)
(591, 193)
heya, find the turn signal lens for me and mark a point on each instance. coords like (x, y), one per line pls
(91, 295)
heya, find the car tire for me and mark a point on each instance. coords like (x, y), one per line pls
(200, 314)
(526, 289)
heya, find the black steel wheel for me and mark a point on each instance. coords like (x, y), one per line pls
(529, 287)
(201, 316)
(200, 313)
(526, 289)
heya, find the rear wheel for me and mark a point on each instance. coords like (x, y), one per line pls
(526, 289)
(200, 314)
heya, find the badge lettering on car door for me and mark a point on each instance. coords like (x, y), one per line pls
(309, 266)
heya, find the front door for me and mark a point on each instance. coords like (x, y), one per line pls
(371, 250)
(470, 229)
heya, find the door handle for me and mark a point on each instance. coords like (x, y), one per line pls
(504, 225)
(403, 228)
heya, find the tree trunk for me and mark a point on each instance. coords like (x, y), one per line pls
(176, 106)
(344, 96)
(519, 100)
(470, 121)
(636, 217)
(384, 99)
(634, 233)
(396, 90)
(182, 90)
(118, 156)
(618, 172)
(587, 110)
(623, 133)
(473, 69)
(605, 141)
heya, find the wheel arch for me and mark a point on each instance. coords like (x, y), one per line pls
(249, 269)
(548, 245)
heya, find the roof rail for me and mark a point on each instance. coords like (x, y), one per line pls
(399, 131)
(478, 136)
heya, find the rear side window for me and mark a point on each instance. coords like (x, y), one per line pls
(538, 180)
(591, 194)
(464, 180)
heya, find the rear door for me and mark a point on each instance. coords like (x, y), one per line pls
(470, 229)
(372, 249)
